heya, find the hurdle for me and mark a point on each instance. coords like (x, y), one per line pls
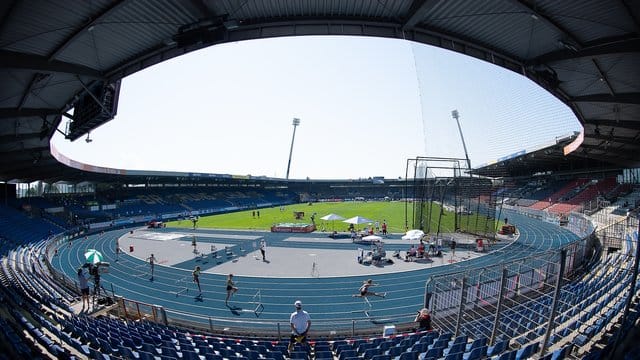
(367, 307)
(140, 271)
(257, 301)
(185, 288)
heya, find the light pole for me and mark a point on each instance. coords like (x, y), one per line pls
(456, 115)
(296, 122)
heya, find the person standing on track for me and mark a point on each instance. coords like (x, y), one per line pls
(152, 260)
(231, 288)
(263, 249)
(196, 278)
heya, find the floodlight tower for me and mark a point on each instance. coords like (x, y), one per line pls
(296, 122)
(455, 115)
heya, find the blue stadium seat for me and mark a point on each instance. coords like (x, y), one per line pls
(369, 353)
(431, 354)
(324, 354)
(439, 344)
(189, 355)
(347, 354)
(527, 351)
(420, 347)
(381, 357)
(581, 340)
(409, 355)
(322, 347)
(127, 353)
(362, 347)
(97, 355)
(275, 354)
(299, 355)
(458, 340)
(106, 348)
(453, 356)
(251, 354)
(395, 351)
(475, 354)
(143, 355)
(498, 348)
(509, 355)
(169, 351)
(342, 347)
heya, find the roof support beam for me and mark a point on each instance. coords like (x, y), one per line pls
(609, 149)
(19, 153)
(631, 13)
(623, 98)
(616, 160)
(417, 11)
(17, 137)
(616, 139)
(4, 19)
(202, 9)
(540, 15)
(87, 27)
(627, 124)
(15, 60)
(603, 77)
(605, 46)
(37, 77)
(27, 112)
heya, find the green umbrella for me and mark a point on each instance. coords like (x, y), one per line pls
(93, 256)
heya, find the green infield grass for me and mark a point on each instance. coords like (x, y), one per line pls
(392, 212)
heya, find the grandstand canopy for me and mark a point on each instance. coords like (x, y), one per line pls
(551, 157)
(63, 60)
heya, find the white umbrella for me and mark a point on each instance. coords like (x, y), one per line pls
(93, 256)
(358, 220)
(332, 217)
(413, 235)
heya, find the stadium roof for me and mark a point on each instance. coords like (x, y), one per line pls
(552, 157)
(56, 56)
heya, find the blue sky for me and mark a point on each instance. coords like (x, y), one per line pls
(366, 105)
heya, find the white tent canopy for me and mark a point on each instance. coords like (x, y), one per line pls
(372, 238)
(413, 235)
(358, 220)
(332, 217)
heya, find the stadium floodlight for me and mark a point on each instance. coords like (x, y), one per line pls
(455, 115)
(296, 122)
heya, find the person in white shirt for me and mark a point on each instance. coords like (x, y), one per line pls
(83, 283)
(263, 249)
(300, 324)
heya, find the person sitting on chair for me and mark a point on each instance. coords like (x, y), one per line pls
(424, 320)
(411, 253)
(420, 250)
